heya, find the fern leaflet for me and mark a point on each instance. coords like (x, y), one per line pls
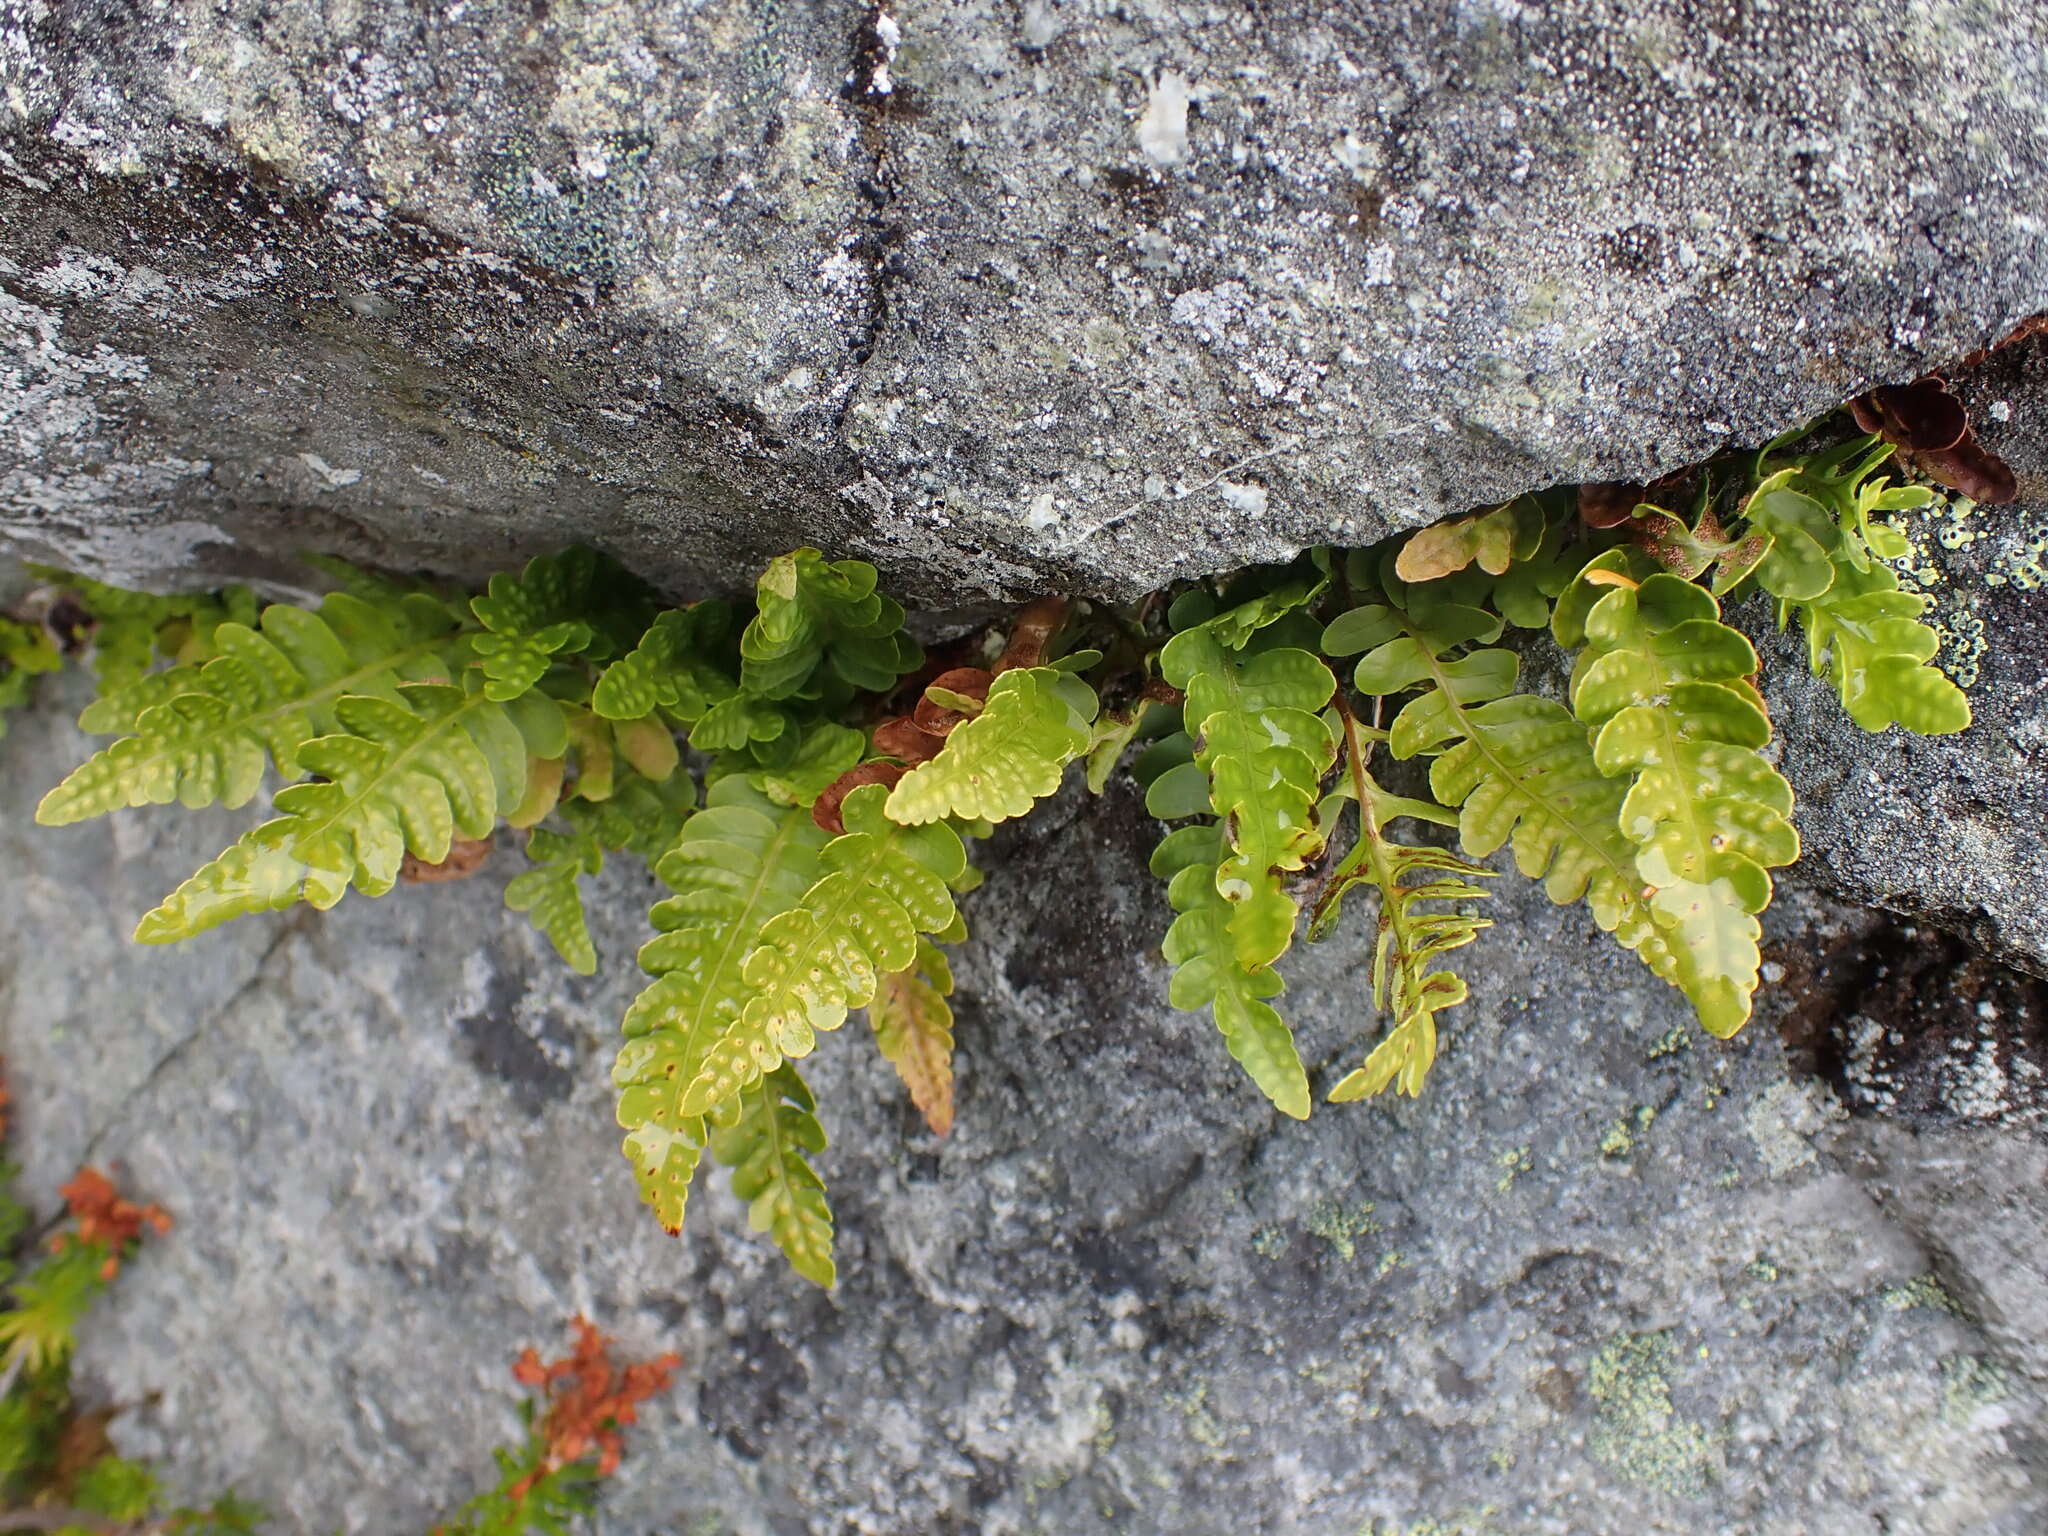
(769, 1147)
(549, 893)
(1412, 930)
(883, 885)
(1005, 759)
(402, 775)
(1207, 974)
(913, 1024)
(1264, 750)
(1663, 685)
(736, 864)
(202, 732)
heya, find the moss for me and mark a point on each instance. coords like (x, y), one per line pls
(1639, 1431)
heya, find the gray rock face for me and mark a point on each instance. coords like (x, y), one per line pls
(1069, 292)
(1607, 1276)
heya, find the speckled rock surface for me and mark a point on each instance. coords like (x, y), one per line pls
(1001, 295)
(1608, 1277)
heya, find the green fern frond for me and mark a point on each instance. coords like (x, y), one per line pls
(1264, 749)
(883, 885)
(1207, 974)
(811, 613)
(1007, 758)
(1863, 633)
(1664, 686)
(678, 665)
(404, 775)
(202, 733)
(1413, 929)
(1517, 769)
(737, 863)
(769, 1147)
(551, 896)
(577, 602)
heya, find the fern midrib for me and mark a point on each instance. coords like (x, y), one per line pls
(321, 695)
(1504, 772)
(398, 760)
(731, 950)
(1393, 909)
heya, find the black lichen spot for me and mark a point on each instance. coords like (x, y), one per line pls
(1637, 250)
(499, 1046)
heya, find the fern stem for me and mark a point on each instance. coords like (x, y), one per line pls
(1384, 875)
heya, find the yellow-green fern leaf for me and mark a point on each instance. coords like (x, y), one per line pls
(553, 899)
(1663, 684)
(913, 1026)
(1008, 757)
(769, 1147)
(203, 732)
(883, 885)
(1264, 749)
(1207, 973)
(736, 864)
(1516, 768)
(404, 776)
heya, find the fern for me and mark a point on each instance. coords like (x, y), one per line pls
(882, 886)
(1008, 757)
(812, 613)
(1263, 749)
(203, 733)
(913, 1024)
(1663, 685)
(550, 893)
(1517, 769)
(738, 863)
(769, 1147)
(402, 776)
(574, 602)
(1864, 634)
(1207, 974)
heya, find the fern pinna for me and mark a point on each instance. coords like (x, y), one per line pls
(805, 783)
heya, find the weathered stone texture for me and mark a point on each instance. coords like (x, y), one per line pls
(1094, 294)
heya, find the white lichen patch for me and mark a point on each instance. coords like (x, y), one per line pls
(1163, 126)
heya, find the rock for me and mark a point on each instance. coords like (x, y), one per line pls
(1608, 1275)
(1948, 828)
(1077, 294)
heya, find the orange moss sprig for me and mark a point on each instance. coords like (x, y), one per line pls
(105, 1219)
(590, 1400)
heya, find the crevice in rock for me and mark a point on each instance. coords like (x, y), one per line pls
(287, 930)
(1907, 1022)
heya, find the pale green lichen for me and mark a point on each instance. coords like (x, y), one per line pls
(1622, 1136)
(1675, 1039)
(1927, 1292)
(1970, 1384)
(1639, 1431)
(1513, 1163)
(1341, 1228)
